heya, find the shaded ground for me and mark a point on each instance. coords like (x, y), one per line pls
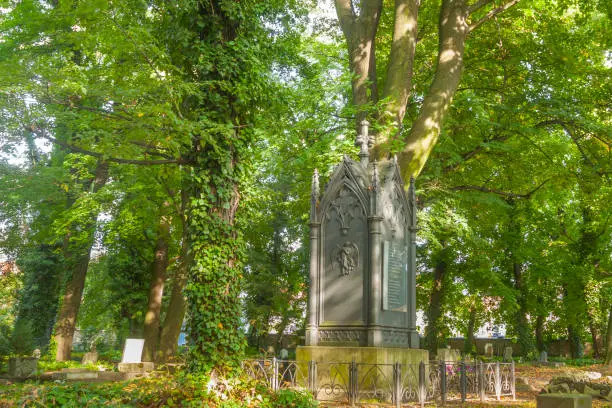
(530, 380)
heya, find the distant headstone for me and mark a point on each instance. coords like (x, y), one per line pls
(132, 352)
(283, 354)
(448, 355)
(488, 349)
(22, 367)
(36, 353)
(508, 353)
(90, 357)
(564, 400)
(543, 357)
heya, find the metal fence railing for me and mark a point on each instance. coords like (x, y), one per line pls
(388, 383)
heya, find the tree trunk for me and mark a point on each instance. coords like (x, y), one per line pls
(594, 336)
(523, 330)
(469, 336)
(360, 34)
(79, 260)
(434, 312)
(539, 331)
(173, 322)
(398, 81)
(575, 343)
(423, 135)
(609, 339)
(156, 290)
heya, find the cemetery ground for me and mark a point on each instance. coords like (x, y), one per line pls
(182, 389)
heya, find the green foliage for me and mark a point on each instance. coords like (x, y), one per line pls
(48, 363)
(10, 284)
(181, 390)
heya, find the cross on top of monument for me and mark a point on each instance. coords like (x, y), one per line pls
(364, 141)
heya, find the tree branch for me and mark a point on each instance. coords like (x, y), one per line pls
(492, 14)
(119, 160)
(477, 6)
(346, 16)
(425, 130)
(468, 155)
(571, 134)
(499, 192)
(153, 150)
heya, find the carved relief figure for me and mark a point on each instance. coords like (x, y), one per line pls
(346, 257)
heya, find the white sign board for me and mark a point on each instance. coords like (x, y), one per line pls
(132, 352)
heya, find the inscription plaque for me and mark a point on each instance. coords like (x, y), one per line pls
(395, 270)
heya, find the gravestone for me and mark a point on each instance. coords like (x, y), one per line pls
(362, 266)
(91, 357)
(543, 357)
(363, 261)
(488, 349)
(131, 362)
(22, 367)
(449, 355)
(564, 401)
(507, 353)
(132, 351)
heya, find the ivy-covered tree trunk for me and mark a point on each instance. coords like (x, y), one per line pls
(77, 257)
(156, 290)
(213, 289)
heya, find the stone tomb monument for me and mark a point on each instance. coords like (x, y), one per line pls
(362, 302)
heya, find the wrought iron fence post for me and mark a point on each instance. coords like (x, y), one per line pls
(397, 384)
(481, 380)
(352, 383)
(463, 381)
(422, 385)
(497, 382)
(443, 381)
(274, 378)
(312, 378)
(513, 381)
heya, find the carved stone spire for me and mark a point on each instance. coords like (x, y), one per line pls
(314, 195)
(412, 202)
(374, 189)
(364, 141)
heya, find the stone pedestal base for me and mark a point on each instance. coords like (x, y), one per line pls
(332, 375)
(361, 355)
(135, 367)
(564, 401)
(76, 374)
